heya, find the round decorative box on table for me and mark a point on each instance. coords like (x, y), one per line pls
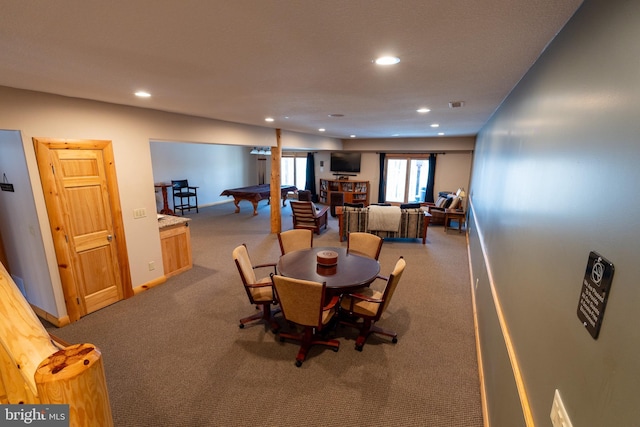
(327, 258)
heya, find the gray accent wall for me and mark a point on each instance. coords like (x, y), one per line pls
(555, 175)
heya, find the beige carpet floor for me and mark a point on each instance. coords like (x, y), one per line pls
(174, 355)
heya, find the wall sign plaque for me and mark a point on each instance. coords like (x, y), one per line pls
(595, 292)
(4, 185)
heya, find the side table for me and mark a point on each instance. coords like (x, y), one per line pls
(456, 215)
(165, 202)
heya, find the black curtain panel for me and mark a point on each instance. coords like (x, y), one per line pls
(383, 180)
(311, 175)
(430, 180)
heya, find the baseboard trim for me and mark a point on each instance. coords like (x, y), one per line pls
(139, 289)
(57, 322)
(513, 359)
(476, 331)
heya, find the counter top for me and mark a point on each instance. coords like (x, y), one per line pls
(165, 221)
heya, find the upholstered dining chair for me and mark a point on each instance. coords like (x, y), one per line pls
(368, 305)
(303, 303)
(260, 291)
(306, 216)
(295, 240)
(365, 244)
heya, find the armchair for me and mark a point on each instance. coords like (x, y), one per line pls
(306, 216)
(369, 305)
(259, 291)
(446, 201)
(303, 303)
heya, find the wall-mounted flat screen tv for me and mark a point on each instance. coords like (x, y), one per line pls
(345, 162)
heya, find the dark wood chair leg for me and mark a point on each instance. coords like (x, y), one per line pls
(308, 339)
(265, 315)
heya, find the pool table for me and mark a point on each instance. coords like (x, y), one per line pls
(255, 193)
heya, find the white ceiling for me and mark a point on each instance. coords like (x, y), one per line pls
(297, 61)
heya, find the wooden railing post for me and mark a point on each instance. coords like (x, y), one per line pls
(75, 376)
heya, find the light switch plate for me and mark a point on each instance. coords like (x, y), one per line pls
(139, 213)
(559, 416)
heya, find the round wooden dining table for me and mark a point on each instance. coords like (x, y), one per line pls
(350, 272)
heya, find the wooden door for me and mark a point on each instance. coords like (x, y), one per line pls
(81, 194)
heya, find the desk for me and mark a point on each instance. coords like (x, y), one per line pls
(351, 272)
(255, 193)
(456, 215)
(165, 202)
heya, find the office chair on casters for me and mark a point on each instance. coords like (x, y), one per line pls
(369, 305)
(181, 191)
(260, 291)
(295, 240)
(303, 303)
(365, 244)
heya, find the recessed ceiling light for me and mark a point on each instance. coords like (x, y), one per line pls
(387, 60)
(423, 110)
(268, 119)
(352, 136)
(142, 94)
(440, 133)
(321, 130)
(435, 125)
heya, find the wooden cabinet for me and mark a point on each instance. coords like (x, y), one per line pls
(353, 191)
(175, 239)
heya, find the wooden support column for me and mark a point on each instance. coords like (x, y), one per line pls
(276, 210)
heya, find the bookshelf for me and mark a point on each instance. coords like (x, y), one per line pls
(353, 191)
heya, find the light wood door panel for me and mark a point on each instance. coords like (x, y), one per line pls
(82, 177)
(84, 222)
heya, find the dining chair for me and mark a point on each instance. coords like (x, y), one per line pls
(295, 240)
(260, 291)
(305, 215)
(368, 305)
(366, 244)
(303, 303)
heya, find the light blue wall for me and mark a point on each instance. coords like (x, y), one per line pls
(211, 167)
(555, 176)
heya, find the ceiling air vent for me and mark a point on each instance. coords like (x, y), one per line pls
(456, 104)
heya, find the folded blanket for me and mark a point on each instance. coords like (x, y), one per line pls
(384, 218)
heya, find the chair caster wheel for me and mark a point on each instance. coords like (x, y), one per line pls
(335, 349)
(281, 339)
(359, 347)
(241, 325)
(298, 363)
(394, 340)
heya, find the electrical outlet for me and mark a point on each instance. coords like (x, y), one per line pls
(152, 265)
(477, 279)
(559, 416)
(139, 213)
